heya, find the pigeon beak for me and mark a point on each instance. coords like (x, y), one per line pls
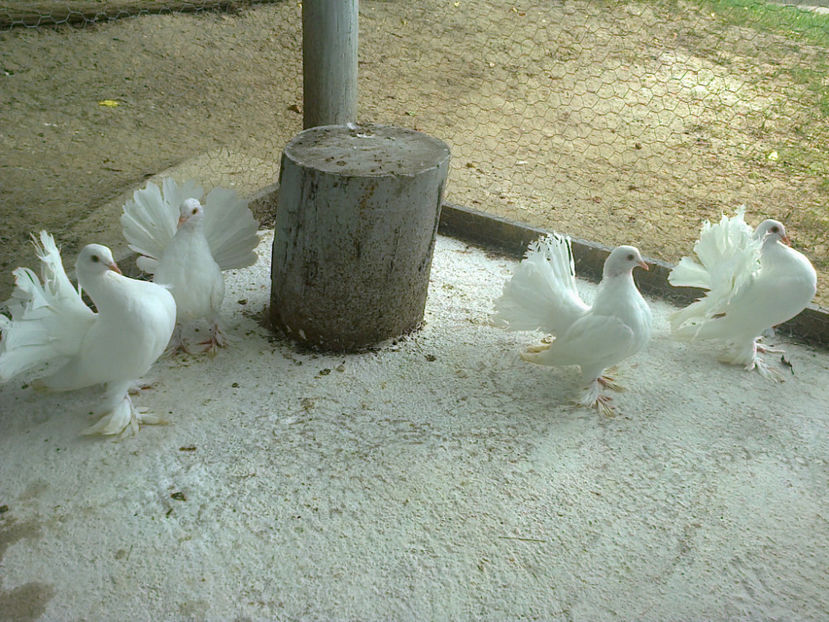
(181, 221)
(114, 267)
(786, 240)
(643, 265)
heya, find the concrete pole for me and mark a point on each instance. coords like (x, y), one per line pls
(329, 62)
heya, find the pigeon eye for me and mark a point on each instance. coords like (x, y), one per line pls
(195, 209)
(630, 257)
(95, 259)
(775, 230)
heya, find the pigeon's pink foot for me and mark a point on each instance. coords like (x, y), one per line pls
(756, 362)
(176, 344)
(140, 385)
(764, 370)
(610, 383)
(176, 349)
(122, 419)
(763, 349)
(604, 406)
(592, 397)
(217, 340)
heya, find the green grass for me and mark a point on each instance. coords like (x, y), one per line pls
(805, 151)
(799, 24)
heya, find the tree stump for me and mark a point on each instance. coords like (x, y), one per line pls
(356, 220)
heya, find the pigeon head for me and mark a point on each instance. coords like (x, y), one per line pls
(95, 260)
(190, 211)
(623, 260)
(772, 230)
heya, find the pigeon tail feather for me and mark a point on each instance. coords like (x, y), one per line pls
(149, 223)
(175, 194)
(542, 295)
(688, 273)
(48, 320)
(230, 229)
(729, 258)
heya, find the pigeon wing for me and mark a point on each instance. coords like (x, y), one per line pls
(595, 341)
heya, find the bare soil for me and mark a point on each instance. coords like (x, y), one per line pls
(615, 122)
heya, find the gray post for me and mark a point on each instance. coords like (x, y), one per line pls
(329, 62)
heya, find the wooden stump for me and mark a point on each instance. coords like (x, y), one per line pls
(356, 220)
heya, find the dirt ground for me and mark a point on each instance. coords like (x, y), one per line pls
(614, 122)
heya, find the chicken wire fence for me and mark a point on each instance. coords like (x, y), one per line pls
(620, 122)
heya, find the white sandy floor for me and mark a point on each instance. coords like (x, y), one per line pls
(438, 478)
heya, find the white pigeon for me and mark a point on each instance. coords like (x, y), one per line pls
(755, 281)
(186, 245)
(541, 295)
(54, 339)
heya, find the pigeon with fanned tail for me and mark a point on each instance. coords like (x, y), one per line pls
(754, 281)
(187, 245)
(541, 295)
(55, 340)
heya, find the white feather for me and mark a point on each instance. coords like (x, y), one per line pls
(149, 223)
(186, 244)
(187, 250)
(230, 229)
(48, 320)
(753, 283)
(728, 254)
(175, 194)
(52, 336)
(542, 294)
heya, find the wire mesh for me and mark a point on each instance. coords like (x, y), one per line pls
(619, 122)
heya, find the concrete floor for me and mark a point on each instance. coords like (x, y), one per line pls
(436, 478)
